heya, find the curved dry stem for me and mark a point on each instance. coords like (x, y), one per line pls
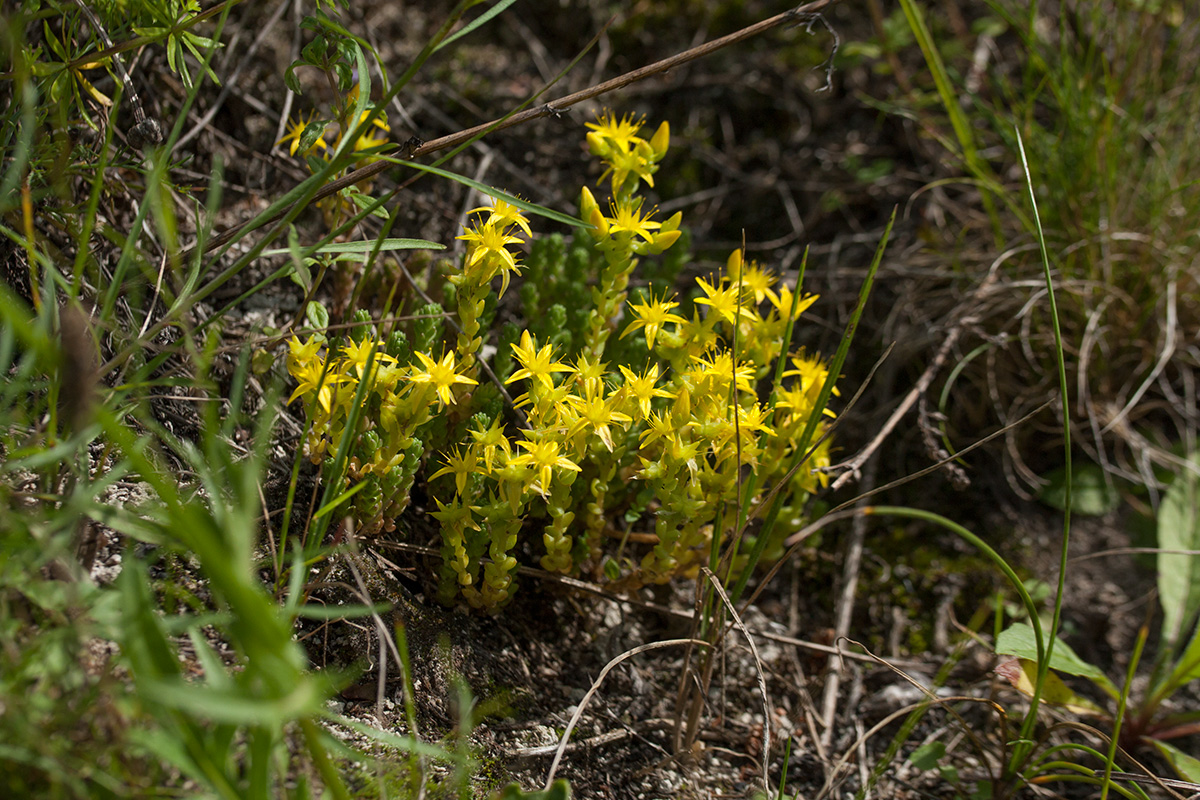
(830, 783)
(759, 672)
(596, 687)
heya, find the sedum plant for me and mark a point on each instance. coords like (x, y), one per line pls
(601, 447)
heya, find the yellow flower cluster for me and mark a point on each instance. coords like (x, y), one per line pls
(330, 387)
(629, 157)
(400, 399)
(664, 440)
(487, 256)
(316, 143)
(627, 231)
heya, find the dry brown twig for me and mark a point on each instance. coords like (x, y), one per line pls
(800, 14)
(851, 468)
(762, 682)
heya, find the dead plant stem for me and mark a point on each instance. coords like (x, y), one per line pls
(845, 605)
(553, 108)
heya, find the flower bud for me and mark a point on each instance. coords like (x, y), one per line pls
(661, 141)
(733, 265)
(599, 223)
(587, 204)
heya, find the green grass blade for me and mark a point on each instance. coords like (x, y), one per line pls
(835, 368)
(1022, 749)
(482, 19)
(483, 188)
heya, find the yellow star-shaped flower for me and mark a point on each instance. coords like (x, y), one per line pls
(536, 366)
(441, 375)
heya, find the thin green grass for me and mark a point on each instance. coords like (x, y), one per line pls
(1064, 394)
(244, 714)
(1104, 100)
(1105, 104)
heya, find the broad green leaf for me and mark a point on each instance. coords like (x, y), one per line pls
(41, 69)
(145, 643)
(1166, 723)
(300, 272)
(1187, 669)
(312, 132)
(1018, 640)
(289, 79)
(188, 42)
(317, 315)
(238, 706)
(170, 750)
(1187, 766)
(365, 202)
(927, 756)
(559, 790)
(1179, 574)
(1022, 673)
(201, 41)
(1091, 492)
(364, 87)
(215, 674)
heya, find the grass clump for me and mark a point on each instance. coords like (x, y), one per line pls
(1104, 100)
(66, 717)
(1093, 120)
(112, 687)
